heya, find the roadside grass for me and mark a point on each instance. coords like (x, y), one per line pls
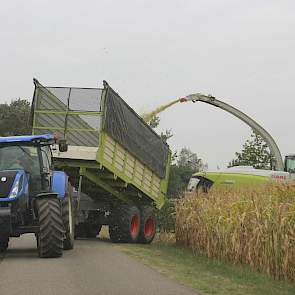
(206, 275)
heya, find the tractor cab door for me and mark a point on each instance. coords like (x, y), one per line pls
(290, 165)
(46, 167)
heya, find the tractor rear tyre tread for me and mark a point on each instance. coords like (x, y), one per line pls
(51, 228)
(126, 224)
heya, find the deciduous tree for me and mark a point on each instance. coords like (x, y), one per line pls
(255, 152)
(15, 118)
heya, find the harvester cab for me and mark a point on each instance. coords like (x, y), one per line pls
(33, 197)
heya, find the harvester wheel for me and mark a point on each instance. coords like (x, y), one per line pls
(68, 216)
(4, 243)
(147, 225)
(126, 224)
(51, 228)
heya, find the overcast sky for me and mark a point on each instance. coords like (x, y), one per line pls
(154, 51)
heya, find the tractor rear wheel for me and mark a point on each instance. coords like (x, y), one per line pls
(4, 240)
(68, 216)
(126, 224)
(147, 225)
(51, 228)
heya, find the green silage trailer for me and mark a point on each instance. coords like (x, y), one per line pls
(118, 166)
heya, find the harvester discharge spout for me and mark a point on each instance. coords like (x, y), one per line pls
(278, 163)
(198, 97)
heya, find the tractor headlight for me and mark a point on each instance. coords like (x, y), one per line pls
(15, 190)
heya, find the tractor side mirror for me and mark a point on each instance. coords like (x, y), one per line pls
(62, 145)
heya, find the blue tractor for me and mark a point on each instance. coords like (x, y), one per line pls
(33, 197)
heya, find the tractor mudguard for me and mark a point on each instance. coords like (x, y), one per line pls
(46, 195)
(59, 183)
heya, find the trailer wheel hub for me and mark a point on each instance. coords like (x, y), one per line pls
(149, 227)
(134, 225)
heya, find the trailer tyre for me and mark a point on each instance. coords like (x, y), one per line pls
(3, 244)
(51, 228)
(147, 226)
(68, 216)
(126, 225)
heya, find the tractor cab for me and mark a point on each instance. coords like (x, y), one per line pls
(30, 155)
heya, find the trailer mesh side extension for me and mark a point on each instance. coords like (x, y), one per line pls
(127, 128)
(77, 114)
(72, 112)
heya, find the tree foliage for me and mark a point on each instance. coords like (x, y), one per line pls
(184, 165)
(15, 118)
(255, 152)
(155, 122)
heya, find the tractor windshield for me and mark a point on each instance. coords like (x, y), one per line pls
(19, 157)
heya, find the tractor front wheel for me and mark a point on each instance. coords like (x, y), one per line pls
(51, 228)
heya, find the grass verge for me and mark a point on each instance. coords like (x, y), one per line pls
(208, 276)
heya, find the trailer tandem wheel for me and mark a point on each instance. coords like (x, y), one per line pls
(147, 225)
(126, 224)
(51, 228)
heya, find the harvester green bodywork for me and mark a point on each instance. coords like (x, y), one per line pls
(236, 180)
(235, 177)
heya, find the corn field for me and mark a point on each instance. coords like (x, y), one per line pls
(247, 226)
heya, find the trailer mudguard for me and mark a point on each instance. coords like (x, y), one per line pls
(59, 183)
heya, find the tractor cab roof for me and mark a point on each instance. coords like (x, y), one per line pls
(44, 138)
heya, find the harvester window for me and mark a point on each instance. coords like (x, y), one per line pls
(193, 183)
(199, 184)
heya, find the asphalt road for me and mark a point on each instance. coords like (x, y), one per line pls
(93, 267)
